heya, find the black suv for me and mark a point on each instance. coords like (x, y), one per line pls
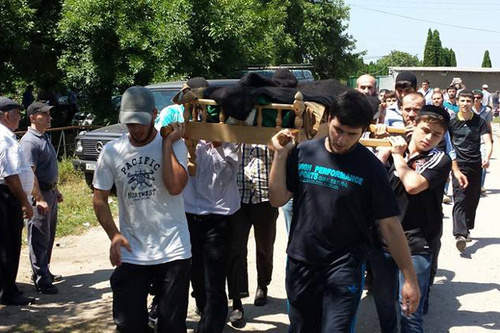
(90, 144)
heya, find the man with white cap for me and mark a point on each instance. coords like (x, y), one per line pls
(42, 157)
(152, 246)
(16, 183)
(487, 99)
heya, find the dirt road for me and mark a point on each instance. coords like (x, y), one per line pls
(465, 298)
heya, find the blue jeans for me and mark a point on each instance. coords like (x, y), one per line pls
(386, 276)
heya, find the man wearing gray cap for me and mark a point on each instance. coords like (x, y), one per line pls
(16, 183)
(42, 157)
(152, 246)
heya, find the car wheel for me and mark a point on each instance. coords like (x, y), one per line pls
(88, 179)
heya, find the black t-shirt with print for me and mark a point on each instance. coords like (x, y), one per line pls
(422, 213)
(466, 138)
(336, 200)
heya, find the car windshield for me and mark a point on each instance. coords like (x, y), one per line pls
(163, 98)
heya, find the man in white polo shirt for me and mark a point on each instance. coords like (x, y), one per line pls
(16, 183)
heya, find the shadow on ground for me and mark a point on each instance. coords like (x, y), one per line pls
(80, 306)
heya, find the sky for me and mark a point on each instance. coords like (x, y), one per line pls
(468, 27)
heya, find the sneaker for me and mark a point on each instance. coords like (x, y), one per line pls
(446, 199)
(468, 239)
(460, 243)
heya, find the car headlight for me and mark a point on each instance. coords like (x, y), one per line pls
(79, 146)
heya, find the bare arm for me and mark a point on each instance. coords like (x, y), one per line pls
(105, 218)
(41, 205)
(462, 179)
(488, 142)
(174, 175)
(413, 182)
(14, 184)
(278, 192)
(398, 246)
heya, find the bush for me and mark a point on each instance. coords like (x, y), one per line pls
(67, 172)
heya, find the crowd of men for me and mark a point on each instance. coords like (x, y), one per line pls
(179, 225)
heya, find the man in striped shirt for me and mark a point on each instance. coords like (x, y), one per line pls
(253, 182)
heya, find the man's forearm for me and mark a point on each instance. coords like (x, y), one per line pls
(398, 246)
(412, 181)
(37, 193)
(174, 174)
(103, 213)
(278, 193)
(14, 184)
(454, 166)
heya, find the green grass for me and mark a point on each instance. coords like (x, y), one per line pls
(496, 120)
(76, 213)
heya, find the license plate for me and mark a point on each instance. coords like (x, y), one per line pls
(90, 166)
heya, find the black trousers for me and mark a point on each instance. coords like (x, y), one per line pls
(11, 226)
(41, 235)
(210, 248)
(324, 298)
(262, 216)
(466, 200)
(131, 284)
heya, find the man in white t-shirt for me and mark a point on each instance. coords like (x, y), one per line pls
(152, 246)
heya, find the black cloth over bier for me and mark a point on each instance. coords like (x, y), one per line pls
(239, 100)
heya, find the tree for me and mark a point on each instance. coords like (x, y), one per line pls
(438, 49)
(434, 52)
(113, 44)
(486, 59)
(453, 58)
(397, 59)
(318, 29)
(16, 21)
(429, 53)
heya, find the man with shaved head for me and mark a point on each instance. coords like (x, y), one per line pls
(366, 84)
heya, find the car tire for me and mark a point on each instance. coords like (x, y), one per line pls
(89, 177)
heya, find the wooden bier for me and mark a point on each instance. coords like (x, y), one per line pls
(200, 129)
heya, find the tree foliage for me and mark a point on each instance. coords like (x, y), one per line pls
(100, 47)
(393, 59)
(429, 54)
(435, 54)
(486, 59)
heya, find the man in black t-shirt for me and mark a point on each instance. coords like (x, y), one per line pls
(339, 190)
(418, 172)
(466, 131)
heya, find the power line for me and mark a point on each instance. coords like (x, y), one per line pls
(427, 21)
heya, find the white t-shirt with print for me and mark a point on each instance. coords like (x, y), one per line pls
(152, 220)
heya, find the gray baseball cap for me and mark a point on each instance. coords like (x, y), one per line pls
(137, 106)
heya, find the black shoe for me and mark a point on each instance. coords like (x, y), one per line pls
(260, 296)
(53, 278)
(48, 289)
(236, 318)
(20, 299)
